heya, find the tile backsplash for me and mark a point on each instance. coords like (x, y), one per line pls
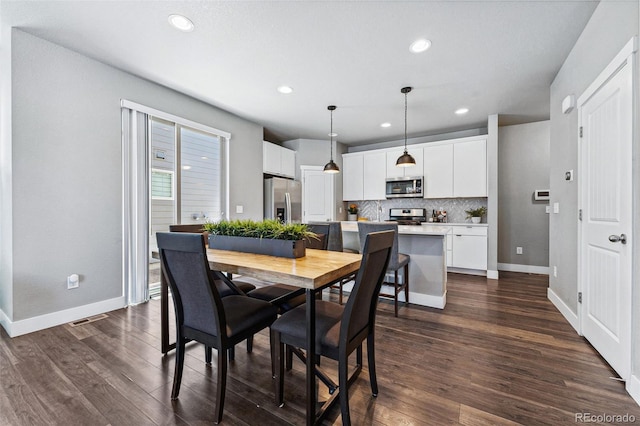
(455, 207)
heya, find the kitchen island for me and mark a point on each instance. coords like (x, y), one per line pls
(427, 247)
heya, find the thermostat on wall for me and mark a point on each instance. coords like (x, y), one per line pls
(541, 194)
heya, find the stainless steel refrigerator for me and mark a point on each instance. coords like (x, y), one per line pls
(283, 200)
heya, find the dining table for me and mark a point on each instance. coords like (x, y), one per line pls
(317, 270)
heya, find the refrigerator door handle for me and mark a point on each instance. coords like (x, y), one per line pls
(287, 202)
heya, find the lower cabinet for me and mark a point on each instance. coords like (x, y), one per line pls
(467, 247)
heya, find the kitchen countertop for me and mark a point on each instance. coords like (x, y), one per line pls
(431, 229)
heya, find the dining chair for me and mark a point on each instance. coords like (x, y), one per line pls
(287, 297)
(340, 329)
(201, 314)
(335, 244)
(226, 288)
(398, 261)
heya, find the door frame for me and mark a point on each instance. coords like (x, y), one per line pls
(626, 56)
(303, 170)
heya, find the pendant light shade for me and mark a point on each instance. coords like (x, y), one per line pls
(405, 160)
(331, 167)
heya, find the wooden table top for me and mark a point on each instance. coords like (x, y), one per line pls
(317, 269)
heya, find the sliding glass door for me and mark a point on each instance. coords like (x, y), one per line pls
(186, 181)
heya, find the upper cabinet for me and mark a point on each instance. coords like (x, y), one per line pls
(394, 171)
(470, 169)
(374, 163)
(278, 160)
(353, 177)
(456, 169)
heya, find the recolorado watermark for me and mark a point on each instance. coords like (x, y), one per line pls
(604, 418)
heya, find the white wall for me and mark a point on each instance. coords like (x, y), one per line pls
(612, 25)
(67, 174)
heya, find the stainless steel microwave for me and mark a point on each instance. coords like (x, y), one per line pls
(404, 187)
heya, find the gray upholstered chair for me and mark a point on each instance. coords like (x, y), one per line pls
(335, 244)
(229, 286)
(340, 329)
(201, 314)
(287, 297)
(398, 261)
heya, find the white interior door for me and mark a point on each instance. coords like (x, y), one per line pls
(605, 112)
(317, 195)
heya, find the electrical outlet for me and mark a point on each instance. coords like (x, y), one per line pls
(73, 281)
(555, 271)
(518, 250)
(547, 209)
(239, 209)
(556, 207)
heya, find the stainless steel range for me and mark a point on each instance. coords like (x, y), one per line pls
(408, 216)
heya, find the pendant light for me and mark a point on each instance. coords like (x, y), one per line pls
(331, 167)
(405, 160)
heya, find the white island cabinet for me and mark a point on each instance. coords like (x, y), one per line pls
(426, 245)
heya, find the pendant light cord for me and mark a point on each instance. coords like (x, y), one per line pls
(405, 122)
(331, 136)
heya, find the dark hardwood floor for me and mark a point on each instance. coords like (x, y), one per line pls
(499, 353)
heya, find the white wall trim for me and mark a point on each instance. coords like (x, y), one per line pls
(428, 300)
(29, 325)
(493, 275)
(174, 118)
(529, 269)
(633, 387)
(565, 310)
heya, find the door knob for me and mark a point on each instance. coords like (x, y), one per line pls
(618, 238)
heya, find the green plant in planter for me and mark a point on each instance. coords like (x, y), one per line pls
(479, 212)
(268, 229)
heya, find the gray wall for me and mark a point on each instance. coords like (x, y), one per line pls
(609, 29)
(316, 152)
(67, 172)
(523, 167)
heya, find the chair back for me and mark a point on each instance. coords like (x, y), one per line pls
(365, 228)
(334, 236)
(322, 230)
(360, 311)
(186, 269)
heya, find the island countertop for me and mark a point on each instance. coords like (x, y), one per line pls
(435, 230)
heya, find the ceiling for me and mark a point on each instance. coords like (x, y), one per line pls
(493, 57)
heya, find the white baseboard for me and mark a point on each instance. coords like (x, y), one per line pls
(529, 269)
(414, 298)
(565, 310)
(633, 387)
(493, 275)
(29, 325)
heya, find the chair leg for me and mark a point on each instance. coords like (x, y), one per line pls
(222, 386)
(207, 354)
(289, 358)
(177, 372)
(371, 357)
(395, 292)
(340, 292)
(232, 353)
(279, 367)
(343, 379)
(250, 344)
(406, 284)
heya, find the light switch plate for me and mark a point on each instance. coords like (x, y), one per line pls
(556, 207)
(239, 209)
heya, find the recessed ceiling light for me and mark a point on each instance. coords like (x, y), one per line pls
(205, 158)
(461, 111)
(385, 125)
(285, 90)
(333, 135)
(420, 45)
(186, 167)
(182, 23)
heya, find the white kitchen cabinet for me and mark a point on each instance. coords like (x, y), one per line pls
(373, 176)
(278, 160)
(470, 169)
(353, 177)
(393, 171)
(438, 171)
(469, 247)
